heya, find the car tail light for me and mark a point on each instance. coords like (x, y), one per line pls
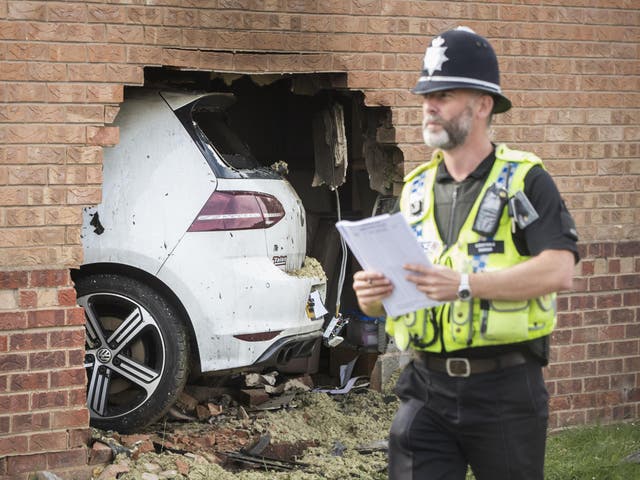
(238, 211)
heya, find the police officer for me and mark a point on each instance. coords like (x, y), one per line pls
(501, 244)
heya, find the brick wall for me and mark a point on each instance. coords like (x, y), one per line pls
(571, 68)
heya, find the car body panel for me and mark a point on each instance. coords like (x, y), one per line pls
(145, 207)
(156, 181)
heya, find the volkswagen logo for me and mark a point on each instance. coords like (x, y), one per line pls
(103, 355)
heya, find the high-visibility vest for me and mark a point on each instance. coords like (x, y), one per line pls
(476, 322)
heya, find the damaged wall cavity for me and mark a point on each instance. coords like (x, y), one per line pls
(320, 136)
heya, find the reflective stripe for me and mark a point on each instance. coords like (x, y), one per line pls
(473, 81)
(458, 325)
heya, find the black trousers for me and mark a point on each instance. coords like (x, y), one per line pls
(495, 422)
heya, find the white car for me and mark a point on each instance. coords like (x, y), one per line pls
(187, 260)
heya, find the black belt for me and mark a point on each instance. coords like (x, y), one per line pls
(463, 367)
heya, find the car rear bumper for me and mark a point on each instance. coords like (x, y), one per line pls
(230, 298)
(285, 350)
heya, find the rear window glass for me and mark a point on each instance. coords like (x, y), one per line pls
(233, 150)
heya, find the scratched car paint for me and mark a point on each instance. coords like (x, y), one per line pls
(186, 260)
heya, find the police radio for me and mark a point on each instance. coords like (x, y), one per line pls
(488, 217)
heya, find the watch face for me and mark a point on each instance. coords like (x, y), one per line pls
(464, 294)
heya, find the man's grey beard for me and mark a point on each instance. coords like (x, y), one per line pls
(453, 132)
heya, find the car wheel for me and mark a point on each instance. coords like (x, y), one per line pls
(136, 355)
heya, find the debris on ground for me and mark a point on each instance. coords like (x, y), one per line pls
(267, 427)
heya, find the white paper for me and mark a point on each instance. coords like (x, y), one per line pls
(319, 310)
(385, 243)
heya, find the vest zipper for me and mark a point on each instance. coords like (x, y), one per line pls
(452, 218)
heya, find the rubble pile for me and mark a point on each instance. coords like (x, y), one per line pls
(271, 427)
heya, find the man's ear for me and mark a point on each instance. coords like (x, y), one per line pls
(485, 106)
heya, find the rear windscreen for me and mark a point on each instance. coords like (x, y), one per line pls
(225, 141)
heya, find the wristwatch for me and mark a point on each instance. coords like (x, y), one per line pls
(464, 290)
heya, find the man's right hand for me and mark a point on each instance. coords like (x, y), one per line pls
(371, 288)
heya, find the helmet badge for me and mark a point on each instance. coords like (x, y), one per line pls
(434, 56)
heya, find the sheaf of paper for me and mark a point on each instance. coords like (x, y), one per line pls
(385, 243)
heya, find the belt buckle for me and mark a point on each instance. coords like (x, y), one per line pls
(454, 367)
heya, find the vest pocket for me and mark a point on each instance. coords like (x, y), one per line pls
(413, 329)
(505, 321)
(461, 322)
(543, 313)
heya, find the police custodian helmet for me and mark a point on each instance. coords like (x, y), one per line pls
(461, 58)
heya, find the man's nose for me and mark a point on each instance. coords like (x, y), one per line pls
(429, 104)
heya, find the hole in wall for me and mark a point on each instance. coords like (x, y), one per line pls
(289, 119)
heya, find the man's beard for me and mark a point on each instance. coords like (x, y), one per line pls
(452, 133)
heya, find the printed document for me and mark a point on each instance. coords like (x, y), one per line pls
(385, 243)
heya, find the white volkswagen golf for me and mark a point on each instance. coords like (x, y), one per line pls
(188, 260)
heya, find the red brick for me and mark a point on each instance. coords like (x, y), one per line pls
(557, 403)
(628, 281)
(623, 348)
(28, 341)
(66, 93)
(13, 320)
(49, 278)
(67, 297)
(601, 283)
(571, 353)
(583, 369)
(567, 387)
(14, 444)
(105, 136)
(628, 249)
(14, 403)
(48, 442)
(26, 463)
(13, 363)
(30, 422)
(609, 301)
(70, 458)
(75, 356)
(29, 381)
(75, 316)
(68, 378)
(100, 454)
(596, 384)
(5, 428)
(70, 418)
(78, 397)
(45, 318)
(47, 360)
(26, 10)
(596, 317)
(631, 298)
(67, 338)
(13, 280)
(47, 400)
(79, 437)
(67, 52)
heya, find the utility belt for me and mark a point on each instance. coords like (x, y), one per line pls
(464, 367)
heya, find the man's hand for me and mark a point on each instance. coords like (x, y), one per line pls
(548, 272)
(436, 282)
(371, 288)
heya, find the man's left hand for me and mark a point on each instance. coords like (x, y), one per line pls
(437, 282)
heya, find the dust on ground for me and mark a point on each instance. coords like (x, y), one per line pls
(310, 436)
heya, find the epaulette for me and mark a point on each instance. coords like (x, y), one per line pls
(435, 160)
(504, 153)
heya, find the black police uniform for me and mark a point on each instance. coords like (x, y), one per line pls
(496, 421)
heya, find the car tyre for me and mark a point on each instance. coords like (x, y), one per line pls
(137, 351)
